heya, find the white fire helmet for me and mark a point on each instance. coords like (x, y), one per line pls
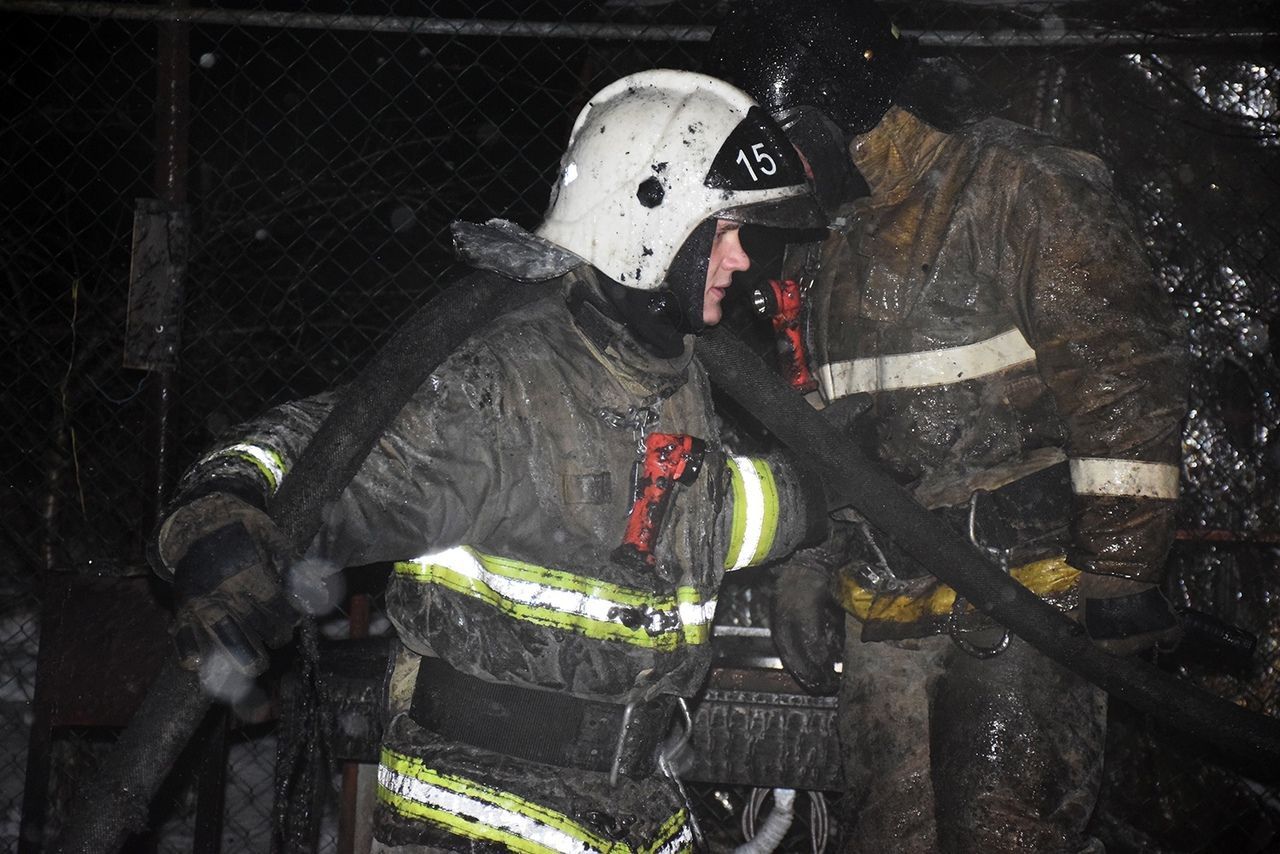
(654, 155)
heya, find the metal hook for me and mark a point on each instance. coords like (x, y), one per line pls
(665, 766)
(957, 607)
(622, 742)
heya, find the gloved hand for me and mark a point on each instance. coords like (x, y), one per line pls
(226, 557)
(1126, 617)
(807, 627)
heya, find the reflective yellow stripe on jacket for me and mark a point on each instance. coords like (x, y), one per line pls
(267, 461)
(562, 600)
(755, 512)
(470, 809)
(1053, 579)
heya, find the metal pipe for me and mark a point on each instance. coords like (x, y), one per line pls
(604, 31)
(173, 77)
(1215, 535)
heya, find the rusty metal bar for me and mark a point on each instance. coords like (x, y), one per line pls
(348, 802)
(1214, 535)
(605, 31)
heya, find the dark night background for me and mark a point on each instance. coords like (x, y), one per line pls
(325, 160)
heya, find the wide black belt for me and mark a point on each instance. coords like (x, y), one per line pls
(540, 726)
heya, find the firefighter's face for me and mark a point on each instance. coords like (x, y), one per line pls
(727, 258)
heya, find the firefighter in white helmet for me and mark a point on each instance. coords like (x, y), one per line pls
(556, 501)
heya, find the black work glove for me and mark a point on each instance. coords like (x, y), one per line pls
(807, 626)
(226, 557)
(1126, 617)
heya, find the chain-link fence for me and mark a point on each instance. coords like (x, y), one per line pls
(311, 156)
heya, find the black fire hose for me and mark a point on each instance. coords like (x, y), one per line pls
(115, 804)
(1247, 741)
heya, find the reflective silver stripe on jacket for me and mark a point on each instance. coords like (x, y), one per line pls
(1101, 476)
(563, 600)
(477, 812)
(925, 368)
(474, 810)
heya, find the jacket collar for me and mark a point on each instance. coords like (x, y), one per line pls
(896, 152)
(639, 370)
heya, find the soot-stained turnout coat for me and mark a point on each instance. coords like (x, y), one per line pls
(499, 495)
(991, 308)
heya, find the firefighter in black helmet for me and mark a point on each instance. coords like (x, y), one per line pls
(982, 302)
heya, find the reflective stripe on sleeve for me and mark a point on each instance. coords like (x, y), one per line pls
(927, 367)
(755, 512)
(1101, 476)
(562, 600)
(267, 461)
(473, 810)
